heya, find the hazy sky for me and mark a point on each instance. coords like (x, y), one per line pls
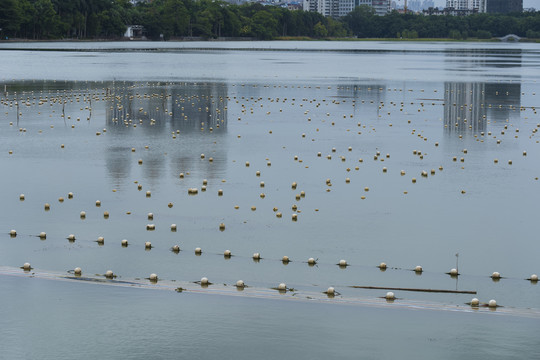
(526, 3)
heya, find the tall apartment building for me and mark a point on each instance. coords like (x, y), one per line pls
(339, 8)
(381, 7)
(472, 5)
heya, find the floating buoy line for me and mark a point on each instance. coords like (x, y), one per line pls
(285, 260)
(279, 292)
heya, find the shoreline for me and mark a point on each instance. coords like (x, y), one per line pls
(281, 38)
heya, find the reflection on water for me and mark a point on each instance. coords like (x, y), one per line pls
(480, 58)
(470, 106)
(155, 109)
(191, 107)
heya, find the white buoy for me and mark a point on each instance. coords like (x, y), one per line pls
(227, 253)
(331, 291)
(282, 287)
(495, 275)
(124, 242)
(256, 256)
(71, 237)
(342, 263)
(173, 227)
(27, 267)
(418, 269)
(534, 278)
(109, 274)
(42, 235)
(77, 271)
(198, 251)
(148, 245)
(204, 281)
(475, 302)
(453, 272)
(240, 284)
(176, 248)
(153, 277)
(492, 303)
(311, 261)
(13, 233)
(390, 296)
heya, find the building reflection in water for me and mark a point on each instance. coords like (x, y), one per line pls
(194, 115)
(470, 59)
(366, 97)
(469, 107)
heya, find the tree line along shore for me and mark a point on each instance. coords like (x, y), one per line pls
(207, 19)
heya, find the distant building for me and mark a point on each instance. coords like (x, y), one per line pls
(381, 7)
(504, 6)
(324, 7)
(339, 8)
(294, 6)
(134, 32)
(472, 6)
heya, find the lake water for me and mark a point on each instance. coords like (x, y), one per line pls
(407, 153)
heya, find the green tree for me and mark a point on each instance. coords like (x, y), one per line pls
(264, 25)
(483, 34)
(360, 20)
(45, 20)
(319, 30)
(10, 17)
(454, 34)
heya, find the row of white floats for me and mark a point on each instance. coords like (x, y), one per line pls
(285, 259)
(240, 284)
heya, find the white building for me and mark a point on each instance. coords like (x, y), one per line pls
(339, 8)
(478, 5)
(381, 7)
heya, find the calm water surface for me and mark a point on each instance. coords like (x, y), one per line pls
(465, 111)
